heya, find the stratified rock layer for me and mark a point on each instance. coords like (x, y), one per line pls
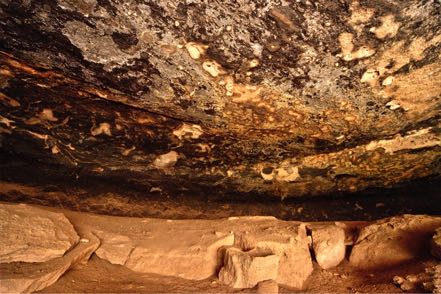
(31, 234)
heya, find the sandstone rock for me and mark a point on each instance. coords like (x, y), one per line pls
(393, 241)
(287, 240)
(246, 269)
(435, 245)
(30, 277)
(31, 234)
(114, 248)
(329, 245)
(180, 248)
(268, 287)
(187, 256)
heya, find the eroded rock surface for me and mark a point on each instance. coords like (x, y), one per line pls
(393, 241)
(31, 234)
(329, 245)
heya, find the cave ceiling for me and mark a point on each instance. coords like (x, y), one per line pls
(279, 98)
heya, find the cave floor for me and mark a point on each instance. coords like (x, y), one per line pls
(100, 276)
(103, 277)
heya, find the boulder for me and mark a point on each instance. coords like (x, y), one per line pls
(246, 269)
(268, 287)
(329, 245)
(435, 245)
(31, 234)
(21, 277)
(393, 241)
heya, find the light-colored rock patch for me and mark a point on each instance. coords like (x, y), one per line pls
(166, 160)
(188, 131)
(412, 140)
(389, 27)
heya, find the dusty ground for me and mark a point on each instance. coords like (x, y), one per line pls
(101, 276)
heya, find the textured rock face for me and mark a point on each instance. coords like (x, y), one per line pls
(247, 269)
(329, 245)
(30, 234)
(286, 98)
(393, 241)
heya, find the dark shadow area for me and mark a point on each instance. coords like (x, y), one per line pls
(72, 189)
